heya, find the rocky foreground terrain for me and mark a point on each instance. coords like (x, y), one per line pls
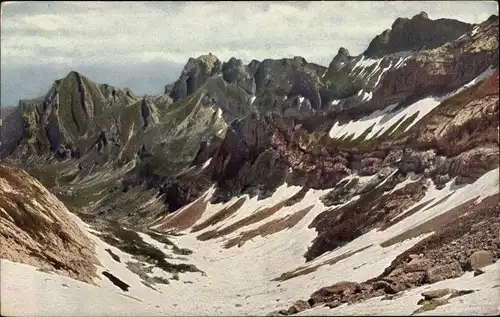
(280, 187)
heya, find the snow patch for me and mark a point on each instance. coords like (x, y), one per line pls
(401, 62)
(384, 70)
(367, 96)
(485, 186)
(474, 31)
(365, 62)
(205, 165)
(219, 113)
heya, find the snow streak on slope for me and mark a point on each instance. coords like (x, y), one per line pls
(485, 186)
(250, 206)
(382, 120)
(205, 165)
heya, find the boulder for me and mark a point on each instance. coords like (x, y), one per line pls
(389, 288)
(436, 293)
(329, 293)
(333, 304)
(298, 307)
(416, 265)
(457, 293)
(481, 258)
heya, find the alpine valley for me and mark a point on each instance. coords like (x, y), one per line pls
(278, 187)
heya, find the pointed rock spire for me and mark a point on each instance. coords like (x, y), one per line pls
(343, 52)
(422, 15)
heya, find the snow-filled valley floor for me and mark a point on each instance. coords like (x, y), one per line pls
(240, 280)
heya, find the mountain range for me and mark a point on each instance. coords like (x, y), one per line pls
(276, 187)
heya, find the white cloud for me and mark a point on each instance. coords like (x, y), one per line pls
(136, 33)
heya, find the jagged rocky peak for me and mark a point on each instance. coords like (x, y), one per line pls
(196, 72)
(343, 55)
(278, 75)
(299, 60)
(209, 62)
(235, 72)
(421, 15)
(73, 73)
(83, 85)
(73, 76)
(416, 34)
(492, 18)
(253, 66)
(343, 52)
(233, 61)
(231, 68)
(340, 59)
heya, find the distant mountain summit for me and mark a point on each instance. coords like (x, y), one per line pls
(416, 34)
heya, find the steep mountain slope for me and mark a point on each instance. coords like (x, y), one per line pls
(352, 187)
(39, 236)
(38, 230)
(11, 129)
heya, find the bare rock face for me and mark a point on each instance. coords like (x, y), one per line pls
(37, 229)
(387, 287)
(11, 129)
(234, 72)
(196, 73)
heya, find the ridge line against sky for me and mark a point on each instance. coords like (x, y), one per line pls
(144, 45)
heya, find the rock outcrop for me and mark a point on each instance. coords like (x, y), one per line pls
(196, 73)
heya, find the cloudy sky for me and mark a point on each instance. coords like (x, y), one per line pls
(144, 45)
